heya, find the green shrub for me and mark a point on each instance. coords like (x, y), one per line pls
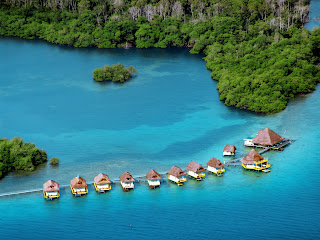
(54, 161)
(115, 73)
(17, 155)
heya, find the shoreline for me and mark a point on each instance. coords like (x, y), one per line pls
(228, 74)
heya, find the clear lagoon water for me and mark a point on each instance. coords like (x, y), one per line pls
(314, 15)
(169, 114)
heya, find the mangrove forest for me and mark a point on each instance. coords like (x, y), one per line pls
(18, 155)
(257, 50)
(115, 73)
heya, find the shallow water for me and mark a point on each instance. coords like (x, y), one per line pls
(169, 114)
(314, 15)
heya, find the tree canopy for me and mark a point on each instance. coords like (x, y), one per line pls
(257, 50)
(115, 73)
(17, 155)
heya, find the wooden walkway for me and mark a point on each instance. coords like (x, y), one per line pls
(139, 179)
(143, 179)
(236, 162)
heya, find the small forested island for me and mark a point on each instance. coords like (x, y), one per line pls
(54, 161)
(257, 50)
(115, 73)
(17, 155)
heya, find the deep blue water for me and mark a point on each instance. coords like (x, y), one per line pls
(169, 114)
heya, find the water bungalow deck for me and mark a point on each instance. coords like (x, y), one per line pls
(143, 179)
(236, 162)
(279, 146)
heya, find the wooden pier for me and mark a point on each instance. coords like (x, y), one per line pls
(143, 179)
(279, 147)
(236, 162)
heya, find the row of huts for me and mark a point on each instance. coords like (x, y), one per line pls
(252, 161)
(102, 182)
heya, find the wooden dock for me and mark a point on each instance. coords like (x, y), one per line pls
(279, 147)
(236, 162)
(143, 179)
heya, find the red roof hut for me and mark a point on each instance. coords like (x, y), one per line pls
(153, 178)
(267, 137)
(195, 170)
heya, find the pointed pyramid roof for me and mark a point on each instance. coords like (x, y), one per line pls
(153, 175)
(176, 171)
(267, 137)
(78, 182)
(126, 177)
(51, 186)
(195, 167)
(102, 179)
(251, 157)
(213, 162)
(229, 148)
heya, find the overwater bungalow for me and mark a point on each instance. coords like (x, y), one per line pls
(78, 186)
(102, 183)
(176, 175)
(127, 181)
(51, 190)
(265, 138)
(215, 166)
(153, 179)
(195, 170)
(229, 150)
(254, 161)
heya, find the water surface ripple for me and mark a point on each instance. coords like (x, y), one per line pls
(168, 115)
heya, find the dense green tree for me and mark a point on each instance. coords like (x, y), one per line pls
(115, 73)
(54, 161)
(255, 49)
(17, 155)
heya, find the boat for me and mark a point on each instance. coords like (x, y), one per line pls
(51, 190)
(254, 161)
(176, 175)
(153, 179)
(195, 170)
(127, 181)
(78, 186)
(215, 166)
(102, 183)
(229, 150)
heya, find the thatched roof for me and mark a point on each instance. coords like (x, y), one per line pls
(213, 162)
(126, 177)
(102, 179)
(267, 137)
(78, 182)
(195, 167)
(153, 175)
(229, 148)
(251, 157)
(51, 186)
(176, 171)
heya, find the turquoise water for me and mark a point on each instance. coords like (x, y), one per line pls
(314, 15)
(169, 114)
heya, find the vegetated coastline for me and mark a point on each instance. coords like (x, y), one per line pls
(115, 73)
(256, 50)
(17, 155)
